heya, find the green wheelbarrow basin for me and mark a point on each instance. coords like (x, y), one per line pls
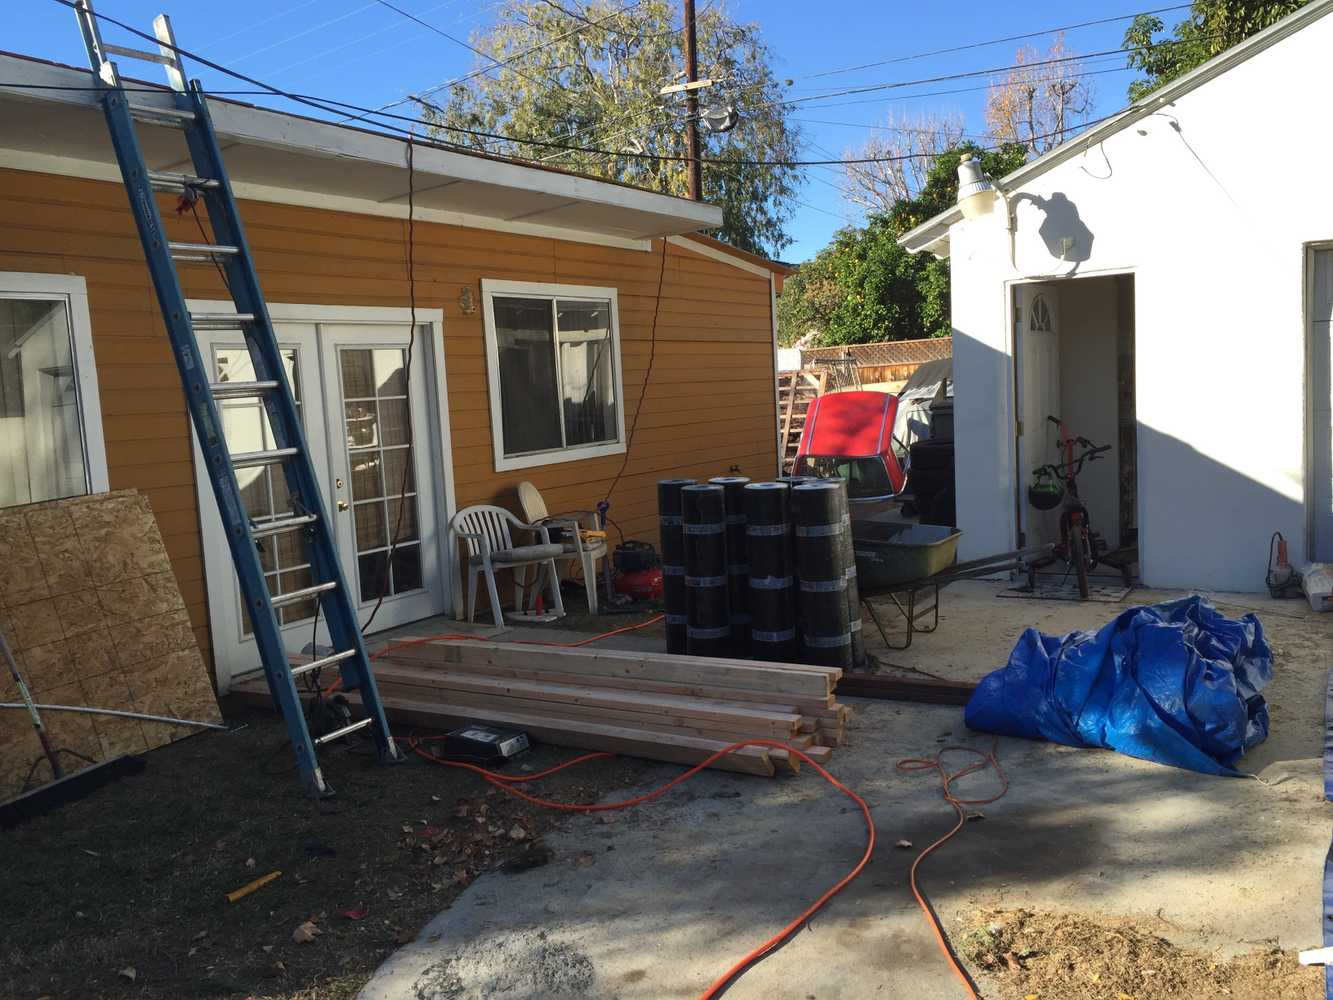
(892, 553)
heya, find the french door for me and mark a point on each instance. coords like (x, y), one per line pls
(364, 393)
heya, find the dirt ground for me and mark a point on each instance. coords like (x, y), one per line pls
(122, 894)
(1067, 956)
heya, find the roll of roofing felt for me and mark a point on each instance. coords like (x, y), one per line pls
(707, 604)
(738, 569)
(673, 561)
(825, 638)
(852, 592)
(772, 589)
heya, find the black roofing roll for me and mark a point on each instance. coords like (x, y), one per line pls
(707, 589)
(772, 584)
(738, 569)
(819, 512)
(853, 592)
(673, 561)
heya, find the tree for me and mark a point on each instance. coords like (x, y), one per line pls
(584, 75)
(905, 157)
(864, 287)
(1040, 99)
(1213, 26)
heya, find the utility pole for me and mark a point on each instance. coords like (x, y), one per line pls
(692, 105)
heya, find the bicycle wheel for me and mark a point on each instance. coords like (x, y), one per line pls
(1078, 556)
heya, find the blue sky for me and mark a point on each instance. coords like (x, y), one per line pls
(361, 52)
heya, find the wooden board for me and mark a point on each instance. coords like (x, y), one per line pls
(91, 610)
(748, 675)
(765, 700)
(586, 701)
(923, 690)
(563, 732)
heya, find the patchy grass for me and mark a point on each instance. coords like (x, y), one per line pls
(135, 875)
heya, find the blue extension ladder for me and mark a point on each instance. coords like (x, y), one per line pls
(307, 516)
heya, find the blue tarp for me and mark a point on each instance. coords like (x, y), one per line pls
(1176, 683)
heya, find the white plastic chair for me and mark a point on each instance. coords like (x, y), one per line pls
(485, 530)
(578, 547)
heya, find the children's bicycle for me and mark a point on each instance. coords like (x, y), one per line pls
(1056, 485)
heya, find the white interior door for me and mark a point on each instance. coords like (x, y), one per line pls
(384, 503)
(1321, 405)
(1037, 384)
(360, 404)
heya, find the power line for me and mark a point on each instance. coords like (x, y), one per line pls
(992, 41)
(508, 60)
(290, 38)
(972, 74)
(331, 106)
(457, 41)
(268, 20)
(359, 40)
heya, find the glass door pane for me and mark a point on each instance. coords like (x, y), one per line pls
(264, 488)
(377, 413)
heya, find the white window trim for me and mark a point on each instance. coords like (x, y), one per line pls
(491, 288)
(73, 289)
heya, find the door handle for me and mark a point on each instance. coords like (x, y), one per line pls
(342, 505)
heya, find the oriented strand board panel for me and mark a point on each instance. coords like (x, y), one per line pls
(91, 610)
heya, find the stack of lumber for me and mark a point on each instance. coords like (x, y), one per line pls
(654, 705)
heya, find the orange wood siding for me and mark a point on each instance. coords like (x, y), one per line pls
(707, 408)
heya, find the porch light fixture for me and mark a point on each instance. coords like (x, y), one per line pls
(976, 191)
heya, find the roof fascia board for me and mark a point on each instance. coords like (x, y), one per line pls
(930, 232)
(704, 250)
(292, 133)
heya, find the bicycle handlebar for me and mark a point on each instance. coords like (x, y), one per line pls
(1064, 470)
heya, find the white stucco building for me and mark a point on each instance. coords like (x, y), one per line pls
(1164, 283)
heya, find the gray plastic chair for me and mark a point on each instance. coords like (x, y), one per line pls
(489, 545)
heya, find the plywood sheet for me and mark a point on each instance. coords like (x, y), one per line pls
(90, 607)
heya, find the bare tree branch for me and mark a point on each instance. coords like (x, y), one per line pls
(877, 187)
(1035, 105)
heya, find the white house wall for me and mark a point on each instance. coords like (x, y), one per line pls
(1209, 203)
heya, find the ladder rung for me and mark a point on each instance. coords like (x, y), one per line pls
(244, 458)
(179, 182)
(286, 524)
(234, 390)
(220, 321)
(169, 116)
(327, 661)
(304, 594)
(200, 251)
(121, 50)
(338, 734)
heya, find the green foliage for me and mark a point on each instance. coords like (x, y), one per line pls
(863, 287)
(1213, 26)
(598, 86)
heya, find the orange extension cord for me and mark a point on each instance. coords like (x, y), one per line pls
(987, 758)
(506, 783)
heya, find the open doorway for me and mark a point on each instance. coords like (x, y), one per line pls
(1074, 360)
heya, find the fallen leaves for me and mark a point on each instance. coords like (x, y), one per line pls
(357, 912)
(306, 933)
(129, 972)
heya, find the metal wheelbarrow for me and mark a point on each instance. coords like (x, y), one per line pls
(908, 563)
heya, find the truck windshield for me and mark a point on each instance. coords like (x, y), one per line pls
(865, 477)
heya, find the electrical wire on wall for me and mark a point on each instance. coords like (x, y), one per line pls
(647, 375)
(387, 577)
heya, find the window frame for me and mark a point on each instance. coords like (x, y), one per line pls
(72, 291)
(490, 289)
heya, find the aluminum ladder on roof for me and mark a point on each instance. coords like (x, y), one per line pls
(307, 516)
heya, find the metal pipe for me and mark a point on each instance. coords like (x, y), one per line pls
(27, 704)
(116, 712)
